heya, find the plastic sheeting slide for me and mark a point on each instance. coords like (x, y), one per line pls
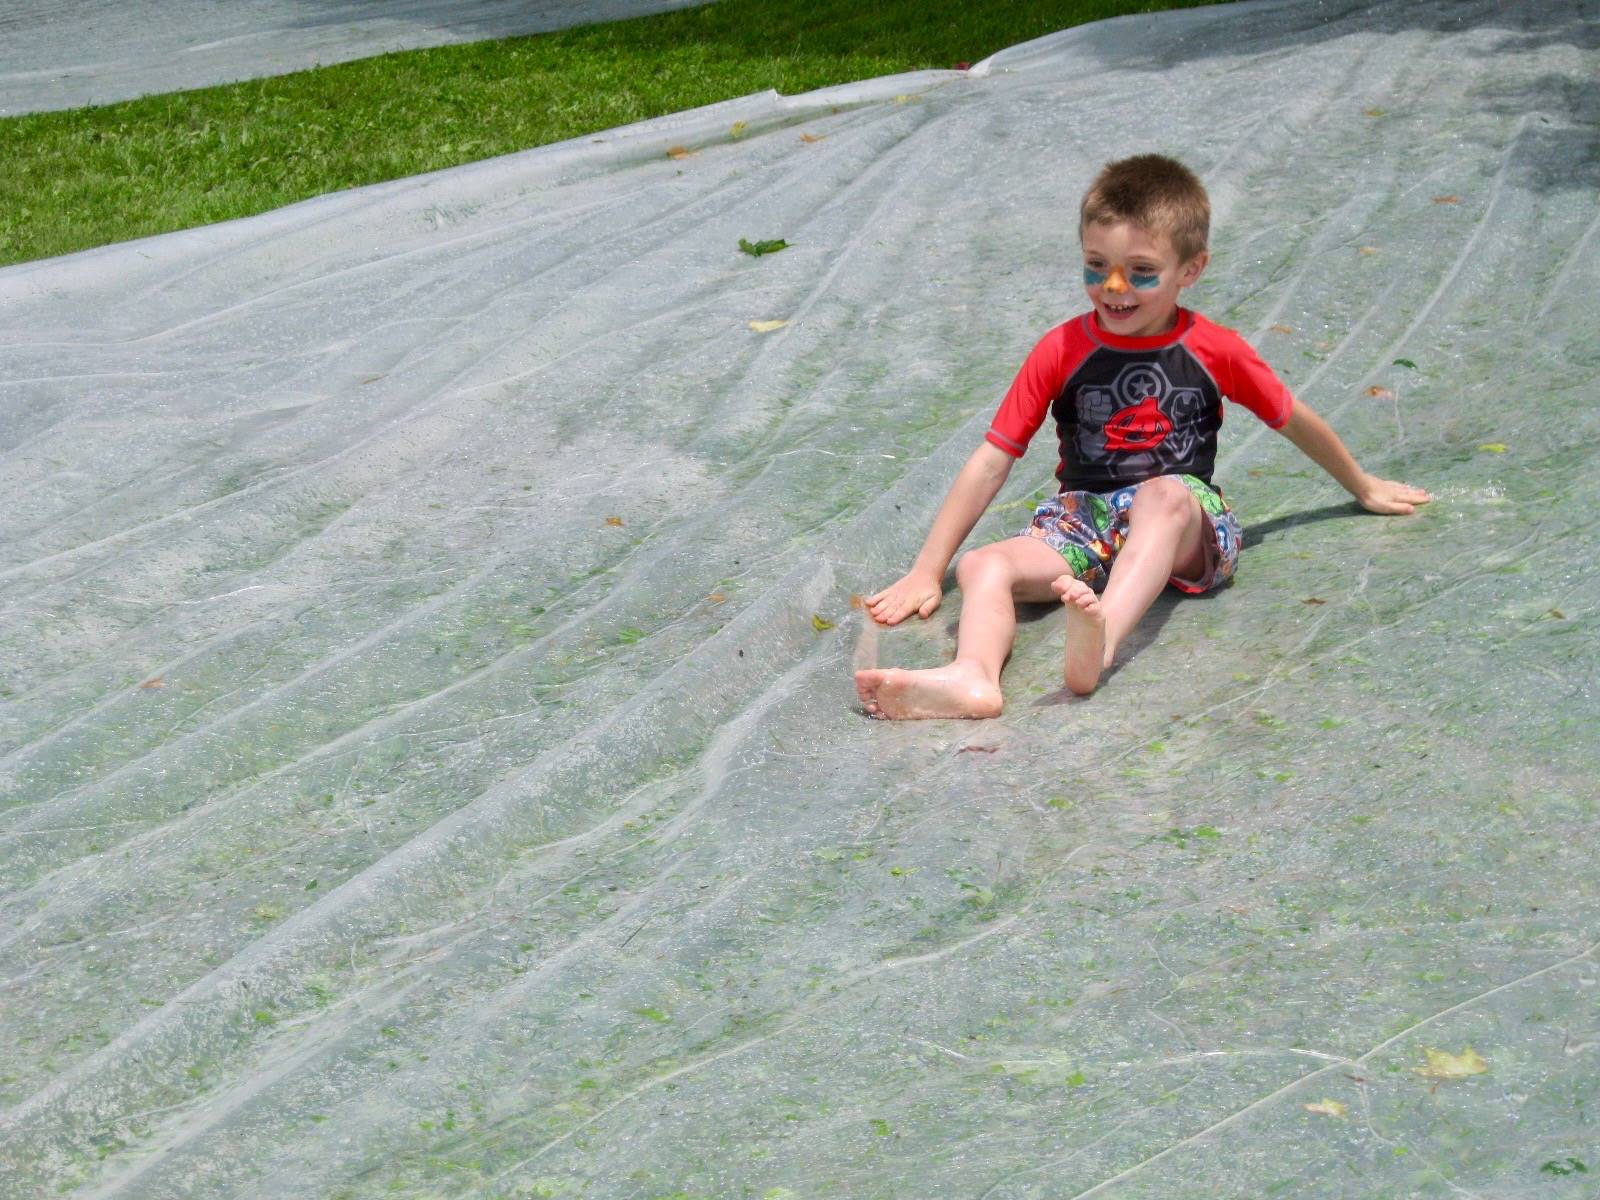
(55, 55)
(430, 762)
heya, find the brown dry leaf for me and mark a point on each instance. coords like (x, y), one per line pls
(1328, 1108)
(812, 138)
(155, 681)
(1366, 249)
(617, 521)
(370, 379)
(1372, 112)
(681, 152)
(978, 750)
(1447, 199)
(1442, 1065)
(1313, 600)
(1380, 393)
(1282, 329)
(1558, 614)
(767, 326)
(857, 601)
(717, 597)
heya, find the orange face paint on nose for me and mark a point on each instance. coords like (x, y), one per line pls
(1116, 281)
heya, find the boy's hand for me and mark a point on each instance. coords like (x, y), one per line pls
(1386, 496)
(914, 592)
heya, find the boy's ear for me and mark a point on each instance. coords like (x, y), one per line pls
(1191, 271)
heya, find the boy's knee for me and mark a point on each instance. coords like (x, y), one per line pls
(983, 565)
(1163, 499)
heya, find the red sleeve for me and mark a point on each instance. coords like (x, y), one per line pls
(1240, 373)
(1035, 388)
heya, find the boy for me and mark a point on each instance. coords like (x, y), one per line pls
(1136, 387)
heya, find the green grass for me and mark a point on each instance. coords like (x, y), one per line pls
(90, 176)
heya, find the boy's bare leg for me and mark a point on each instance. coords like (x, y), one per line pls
(992, 579)
(1165, 529)
(1086, 634)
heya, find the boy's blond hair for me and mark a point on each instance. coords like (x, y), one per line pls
(1156, 193)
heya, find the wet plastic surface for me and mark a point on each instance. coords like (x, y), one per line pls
(431, 763)
(56, 54)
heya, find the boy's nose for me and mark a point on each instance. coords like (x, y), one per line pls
(1116, 281)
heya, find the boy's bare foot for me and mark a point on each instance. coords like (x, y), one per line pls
(1086, 634)
(953, 691)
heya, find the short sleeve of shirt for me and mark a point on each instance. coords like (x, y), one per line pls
(1239, 371)
(1028, 401)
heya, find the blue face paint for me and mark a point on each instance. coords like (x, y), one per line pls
(1144, 283)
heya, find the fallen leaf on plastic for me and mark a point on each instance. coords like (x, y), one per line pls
(1405, 362)
(1313, 600)
(857, 601)
(811, 138)
(617, 521)
(717, 597)
(1493, 447)
(681, 152)
(820, 624)
(1328, 1108)
(736, 128)
(1558, 614)
(978, 750)
(1282, 329)
(757, 249)
(1366, 249)
(1380, 393)
(1442, 1065)
(906, 98)
(767, 326)
(1447, 199)
(1372, 112)
(1570, 1166)
(370, 379)
(155, 681)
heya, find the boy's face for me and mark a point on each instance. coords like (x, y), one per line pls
(1133, 278)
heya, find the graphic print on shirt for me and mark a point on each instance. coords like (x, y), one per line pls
(1140, 412)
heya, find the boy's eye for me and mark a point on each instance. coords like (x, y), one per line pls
(1093, 277)
(1141, 279)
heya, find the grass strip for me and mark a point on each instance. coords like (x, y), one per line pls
(90, 176)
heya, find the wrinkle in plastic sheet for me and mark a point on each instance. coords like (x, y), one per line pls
(430, 761)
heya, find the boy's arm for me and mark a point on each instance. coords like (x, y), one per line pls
(1317, 440)
(921, 588)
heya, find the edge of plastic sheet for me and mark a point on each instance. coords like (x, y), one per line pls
(1098, 35)
(724, 122)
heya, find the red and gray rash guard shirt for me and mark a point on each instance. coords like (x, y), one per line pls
(1129, 409)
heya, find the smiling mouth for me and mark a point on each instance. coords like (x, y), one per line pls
(1119, 310)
